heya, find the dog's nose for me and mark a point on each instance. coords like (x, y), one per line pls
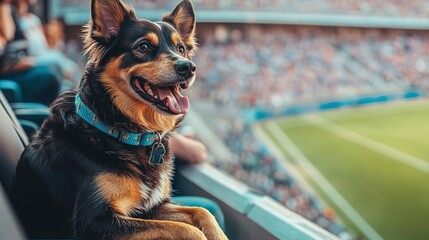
(185, 68)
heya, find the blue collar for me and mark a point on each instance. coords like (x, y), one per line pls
(134, 139)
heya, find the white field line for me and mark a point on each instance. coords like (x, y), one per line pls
(320, 180)
(364, 141)
(284, 161)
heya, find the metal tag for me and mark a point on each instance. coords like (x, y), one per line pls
(157, 154)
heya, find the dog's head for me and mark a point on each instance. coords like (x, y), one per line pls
(144, 65)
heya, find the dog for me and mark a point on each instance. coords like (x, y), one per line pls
(99, 167)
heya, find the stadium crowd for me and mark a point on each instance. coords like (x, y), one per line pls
(395, 8)
(273, 67)
(285, 65)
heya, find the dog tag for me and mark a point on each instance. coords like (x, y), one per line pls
(157, 154)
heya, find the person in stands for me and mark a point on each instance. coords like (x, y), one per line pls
(38, 83)
(39, 48)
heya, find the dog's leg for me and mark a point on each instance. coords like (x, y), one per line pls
(104, 206)
(195, 216)
(159, 229)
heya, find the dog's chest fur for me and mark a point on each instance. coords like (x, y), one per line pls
(151, 197)
(140, 186)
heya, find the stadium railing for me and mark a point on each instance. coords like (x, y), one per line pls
(248, 215)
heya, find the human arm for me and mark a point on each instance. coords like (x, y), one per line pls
(187, 149)
(7, 26)
(11, 59)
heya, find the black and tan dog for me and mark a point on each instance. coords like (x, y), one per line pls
(99, 167)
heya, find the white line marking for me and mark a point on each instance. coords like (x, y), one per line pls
(320, 180)
(293, 172)
(367, 142)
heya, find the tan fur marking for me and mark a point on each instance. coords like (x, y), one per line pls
(195, 216)
(156, 71)
(152, 38)
(167, 189)
(159, 229)
(127, 101)
(175, 37)
(122, 193)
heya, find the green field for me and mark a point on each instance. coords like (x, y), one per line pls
(376, 158)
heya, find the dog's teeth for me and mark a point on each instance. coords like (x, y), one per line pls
(147, 87)
(150, 91)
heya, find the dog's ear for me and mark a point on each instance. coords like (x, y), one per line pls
(183, 19)
(107, 17)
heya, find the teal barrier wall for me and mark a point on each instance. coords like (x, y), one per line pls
(256, 115)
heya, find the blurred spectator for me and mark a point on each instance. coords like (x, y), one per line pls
(38, 44)
(38, 84)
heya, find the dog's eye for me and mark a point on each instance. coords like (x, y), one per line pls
(181, 50)
(144, 47)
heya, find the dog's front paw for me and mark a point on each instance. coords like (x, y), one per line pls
(215, 234)
(199, 235)
(210, 226)
(191, 232)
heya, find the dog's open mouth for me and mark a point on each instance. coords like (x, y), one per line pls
(168, 99)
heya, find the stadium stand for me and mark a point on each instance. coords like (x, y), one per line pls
(301, 65)
(349, 62)
(273, 67)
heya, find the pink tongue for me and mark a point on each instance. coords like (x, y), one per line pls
(177, 103)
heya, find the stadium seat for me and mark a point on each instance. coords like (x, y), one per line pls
(12, 142)
(35, 115)
(11, 91)
(29, 127)
(26, 112)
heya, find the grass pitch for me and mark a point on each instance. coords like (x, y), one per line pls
(374, 157)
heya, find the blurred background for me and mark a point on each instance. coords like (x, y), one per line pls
(320, 104)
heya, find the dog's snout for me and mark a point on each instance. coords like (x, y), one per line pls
(185, 68)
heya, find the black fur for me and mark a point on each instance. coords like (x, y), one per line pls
(53, 189)
(57, 168)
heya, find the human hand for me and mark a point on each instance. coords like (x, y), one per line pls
(2, 43)
(188, 149)
(23, 64)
